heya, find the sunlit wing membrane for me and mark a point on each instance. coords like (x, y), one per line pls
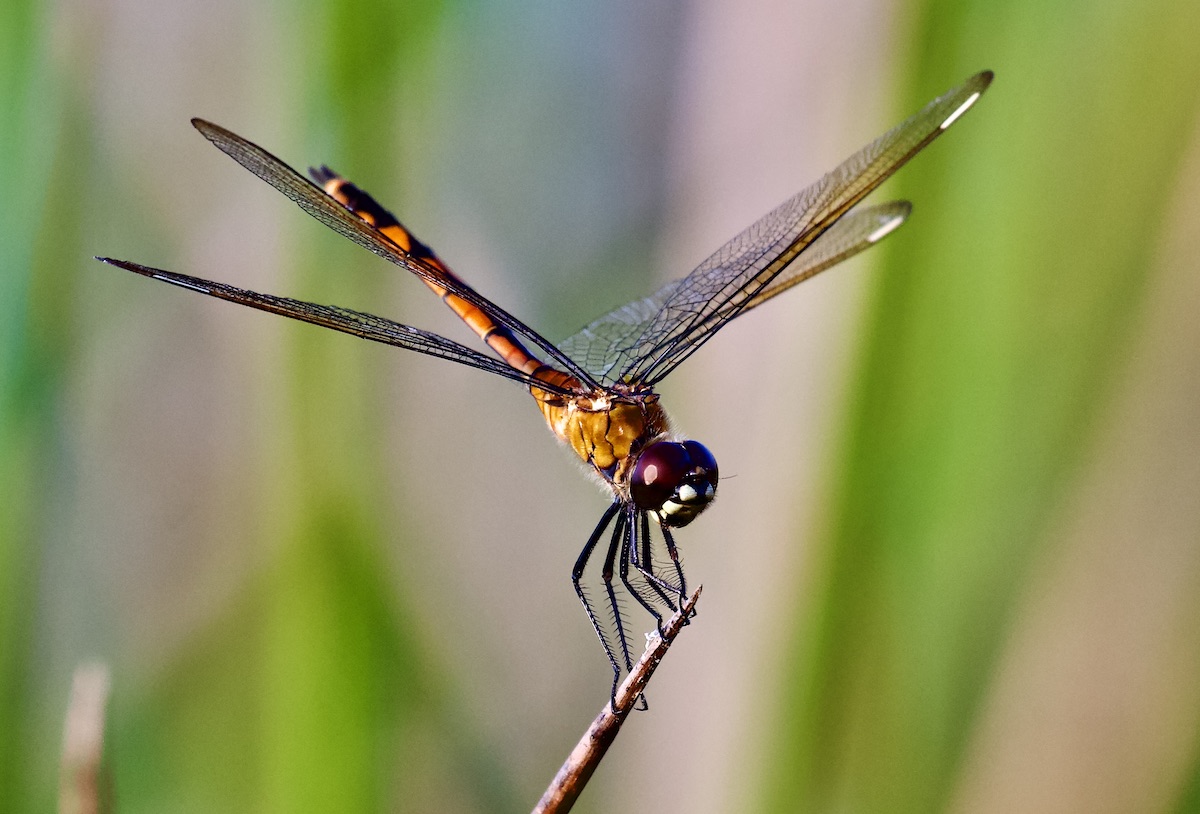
(313, 200)
(644, 340)
(356, 323)
(859, 229)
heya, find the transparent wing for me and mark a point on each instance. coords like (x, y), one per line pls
(644, 340)
(313, 200)
(357, 323)
(858, 230)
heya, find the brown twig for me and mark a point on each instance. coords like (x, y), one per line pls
(564, 790)
(83, 786)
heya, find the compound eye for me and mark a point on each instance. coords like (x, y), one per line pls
(702, 460)
(657, 474)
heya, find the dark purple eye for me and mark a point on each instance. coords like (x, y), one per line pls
(657, 474)
(674, 480)
(703, 460)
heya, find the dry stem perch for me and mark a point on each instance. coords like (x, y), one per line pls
(564, 790)
(83, 785)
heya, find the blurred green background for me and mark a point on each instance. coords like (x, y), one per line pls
(956, 567)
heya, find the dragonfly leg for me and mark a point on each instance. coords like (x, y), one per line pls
(629, 544)
(640, 557)
(674, 552)
(630, 556)
(644, 563)
(576, 580)
(620, 529)
(606, 574)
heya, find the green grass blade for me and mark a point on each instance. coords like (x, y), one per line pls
(994, 335)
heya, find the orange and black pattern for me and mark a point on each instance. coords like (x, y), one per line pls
(499, 338)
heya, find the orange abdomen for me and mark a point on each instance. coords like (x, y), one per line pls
(498, 337)
(601, 428)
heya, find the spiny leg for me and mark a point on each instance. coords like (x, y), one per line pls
(628, 544)
(606, 574)
(674, 552)
(640, 557)
(630, 556)
(650, 560)
(614, 548)
(644, 563)
(577, 576)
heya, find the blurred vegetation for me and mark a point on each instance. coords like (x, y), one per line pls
(31, 363)
(996, 334)
(260, 531)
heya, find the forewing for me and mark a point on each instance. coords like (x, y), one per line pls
(313, 200)
(356, 323)
(857, 230)
(644, 340)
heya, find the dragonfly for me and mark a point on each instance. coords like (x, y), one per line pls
(597, 388)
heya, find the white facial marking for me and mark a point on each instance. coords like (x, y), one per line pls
(886, 229)
(687, 493)
(961, 110)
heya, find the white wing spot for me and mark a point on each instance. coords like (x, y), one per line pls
(953, 117)
(182, 284)
(889, 226)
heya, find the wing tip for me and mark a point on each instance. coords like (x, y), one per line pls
(181, 280)
(972, 89)
(891, 217)
(136, 268)
(112, 261)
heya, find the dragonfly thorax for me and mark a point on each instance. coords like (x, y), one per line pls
(674, 480)
(606, 429)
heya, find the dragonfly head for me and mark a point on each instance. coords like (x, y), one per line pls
(674, 480)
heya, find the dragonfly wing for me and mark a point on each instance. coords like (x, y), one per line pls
(645, 340)
(859, 229)
(598, 346)
(357, 323)
(313, 200)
